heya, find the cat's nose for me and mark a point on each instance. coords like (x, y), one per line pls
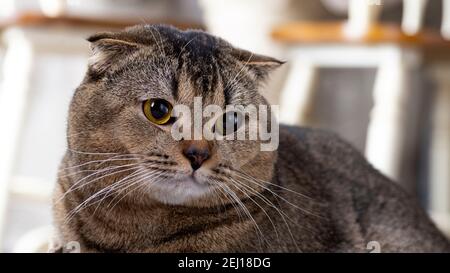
(196, 152)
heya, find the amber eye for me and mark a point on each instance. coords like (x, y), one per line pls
(229, 123)
(158, 111)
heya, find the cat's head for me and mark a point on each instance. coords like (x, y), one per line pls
(123, 115)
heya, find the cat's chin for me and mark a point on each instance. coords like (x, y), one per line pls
(181, 191)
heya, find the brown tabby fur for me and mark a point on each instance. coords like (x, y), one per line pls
(314, 194)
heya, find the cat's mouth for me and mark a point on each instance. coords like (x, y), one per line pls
(190, 180)
(182, 189)
(195, 180)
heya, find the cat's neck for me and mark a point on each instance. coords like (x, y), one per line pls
(157, 227)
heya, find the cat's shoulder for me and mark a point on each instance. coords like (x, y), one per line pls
(324, 150)
(318, 142)
(340, 166)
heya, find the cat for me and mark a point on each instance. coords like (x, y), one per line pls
(126, 185)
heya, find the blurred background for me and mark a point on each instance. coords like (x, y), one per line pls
(375, 72)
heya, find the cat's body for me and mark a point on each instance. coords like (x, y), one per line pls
(347, 205)
(314, 194)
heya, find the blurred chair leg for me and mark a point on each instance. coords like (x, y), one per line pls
(297, 94)
(440, 149)
(361, 14)
(413, 13)
(387, 118)
(445, 28)
(14, 89)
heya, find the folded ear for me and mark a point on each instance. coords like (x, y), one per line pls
(260, 65)
(109, 49)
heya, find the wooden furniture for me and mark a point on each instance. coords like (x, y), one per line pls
(395, 51)
(39, 20)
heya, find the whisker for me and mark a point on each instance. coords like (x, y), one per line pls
(152, 176)
(89, 153)
(232, 82)
(266, 182)
(86, 204)
(217, 193)
(92, 162)
(76, 185)
(120, 186)
(231, 201)
(256, 203)
(280, 212)
(281, 197)
(246, 211)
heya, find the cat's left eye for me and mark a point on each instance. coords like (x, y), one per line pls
(229, 123)
(158, 111)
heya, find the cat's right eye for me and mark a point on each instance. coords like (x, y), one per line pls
(158, 111)
(229, 123)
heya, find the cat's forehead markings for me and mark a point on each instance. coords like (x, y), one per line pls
(185, 93)
(219, 96)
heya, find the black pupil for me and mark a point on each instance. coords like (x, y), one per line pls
(230, 122)
(159, 109)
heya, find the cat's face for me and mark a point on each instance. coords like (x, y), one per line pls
(121, 114)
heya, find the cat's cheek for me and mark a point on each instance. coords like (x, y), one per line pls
(238, 153)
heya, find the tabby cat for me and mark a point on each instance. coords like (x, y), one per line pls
(127, 185)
